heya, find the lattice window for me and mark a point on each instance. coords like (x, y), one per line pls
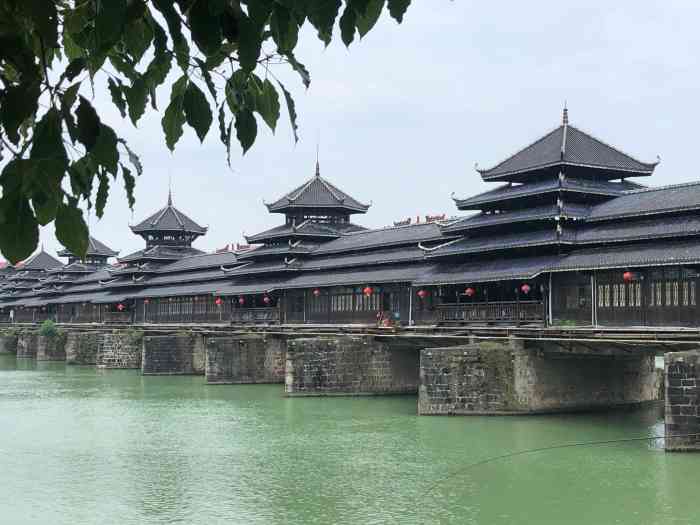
(692, 293)
(668, 293)
(616, 296)
(675, 293)
(622, 294)
(607, 295)
(638, 298)
(601, 296)
(685, 293)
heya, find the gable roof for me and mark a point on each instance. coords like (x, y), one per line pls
(95, 247)
(41, 261)
(568, 145)
(169, 218)
(317, 192)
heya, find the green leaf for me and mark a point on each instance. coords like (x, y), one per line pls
(116, 90)
(137, 97)
(82, 172)
(138, 36)
(235, 90)
(67, 100)
(71, 230)
(366, 23)
(19, 233)
(48, 145)
(45, 18)
(174, 117)
(291, 110)
(397, 8)
(322, 16)
(207, 78)
(102, 193)
(17, 104)
(109, 21)
(105, 150)
(285, 31)
(347, 25)
(129, 184)
(133, 158)
(268, 104)
(88, 124)
(299, 68)
(249, 43)
(75, 67)
(246, 128)
(205, 28)
(197, 110)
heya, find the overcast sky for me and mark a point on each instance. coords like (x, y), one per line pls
(404, 116)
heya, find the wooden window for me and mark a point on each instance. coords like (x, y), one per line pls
(692, 293)
(615, 301)
(607, 295)
(675, 293)
(651, 294)
(638, 288)
(622, 294)
(685, 293)
(601, 296)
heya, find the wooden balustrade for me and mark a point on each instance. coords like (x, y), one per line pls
(493, 312)
(255, 315)
(117, 317)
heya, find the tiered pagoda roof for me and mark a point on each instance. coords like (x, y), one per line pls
(95, 248)
(168, 219)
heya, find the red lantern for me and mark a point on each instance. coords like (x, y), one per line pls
(241, 300)
(525, 288)
(627, 276)
(422, 294)
(469, 292)
(120, 307)
(316, 292)
(266, 300)
(146, 301)
(219, 301)
(367, 291)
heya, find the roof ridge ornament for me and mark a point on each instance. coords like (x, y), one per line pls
(565, 123)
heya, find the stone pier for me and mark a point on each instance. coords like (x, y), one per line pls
(81, 348)
(120, 349)
(245, 359)
(512, 376)
(176, 354)
(8, 343)
(26, 344)
(682, 382)
(51, 347)
(349, 365)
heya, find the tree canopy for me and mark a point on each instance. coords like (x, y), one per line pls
(56, 151)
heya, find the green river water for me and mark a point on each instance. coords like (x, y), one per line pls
(83, 446)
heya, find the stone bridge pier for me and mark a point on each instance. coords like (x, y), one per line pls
(245, 358)
(682, 414)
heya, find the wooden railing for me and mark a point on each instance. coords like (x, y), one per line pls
(496, 312)
(117, 317)
(255, 315)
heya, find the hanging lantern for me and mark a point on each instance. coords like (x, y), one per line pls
(469, 292)
(120, 307)
(525, 288)
(422, 294)
(627, 276)
(266, 299)
(219, 301)
(241, 300)
(316, 292)
(367, 291)
(146, 301)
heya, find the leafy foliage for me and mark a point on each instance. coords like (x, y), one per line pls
(48, 329)
(55, 149)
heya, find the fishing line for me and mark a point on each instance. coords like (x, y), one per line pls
(491, 459)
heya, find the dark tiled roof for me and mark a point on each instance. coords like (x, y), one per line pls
(245, 287)
(385, 237)
(567, 145)
(620, 231)
(377, 275)
(501, 242)
(631, 255)
(186, 277)
(260, 267)
(95, 247)
(40, 261)
(649, 201)
(163, 253)
(482, 220)
(306, 229)
(169, 218)
(297, 248)
(317, 192)
(494, 270)
(370, 258)
(201, 261)
(183, 289)
(548, 185)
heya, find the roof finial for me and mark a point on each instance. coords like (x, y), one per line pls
(565, 115)
(318, 142)
(170, 190)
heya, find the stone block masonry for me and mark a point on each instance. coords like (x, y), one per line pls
(81, 348)
(349, 365)
(682, 382)
(26, 345)
(245, 359)
(51, 347)
(8, 343)
(120, 349)
(177, 354)
(502, 376)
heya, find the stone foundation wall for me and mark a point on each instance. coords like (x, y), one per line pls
(513, 376)
(51, 348)
(349, 365)
(242, 359)
(120, 349)
(26, 345)
(8, 344)
(682, 373)
(177, 354)
(81, 348)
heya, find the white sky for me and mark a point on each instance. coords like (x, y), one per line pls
(404, 115)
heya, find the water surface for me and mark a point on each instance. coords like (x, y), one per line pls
(82, 446)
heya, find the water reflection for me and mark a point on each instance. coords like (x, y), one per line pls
(80, 445)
